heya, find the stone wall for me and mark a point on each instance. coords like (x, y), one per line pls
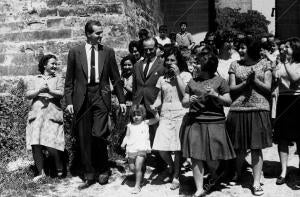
(30, 28)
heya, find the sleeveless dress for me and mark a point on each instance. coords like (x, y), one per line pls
(138, 139)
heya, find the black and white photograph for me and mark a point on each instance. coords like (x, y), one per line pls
(149, 98)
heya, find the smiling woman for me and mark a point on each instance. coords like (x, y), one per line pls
(44, 130)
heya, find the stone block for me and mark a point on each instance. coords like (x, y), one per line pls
(58, 47)
(2, 58)
(21, 70)
(96, 9)
(3, 48)
(48, 12)
(36, 25)
(114, 8)
(55, 22)
(55, 3)
(36, 35)
(13, 26)
(19, 59)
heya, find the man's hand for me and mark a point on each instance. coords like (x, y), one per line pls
(70, 109)
(123, 108)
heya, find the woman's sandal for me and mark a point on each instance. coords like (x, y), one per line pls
(175, 184)
(257, 190)
(136, 190)
(199, 194)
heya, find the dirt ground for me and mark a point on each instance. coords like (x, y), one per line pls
(119, 186)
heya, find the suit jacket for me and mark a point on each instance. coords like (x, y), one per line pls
(77, 76)
(145, 88)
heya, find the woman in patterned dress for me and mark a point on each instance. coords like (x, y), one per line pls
(249, 121)
(45, 120)
(171, 86)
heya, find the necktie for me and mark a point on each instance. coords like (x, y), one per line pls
(146, 68)
(92, 77)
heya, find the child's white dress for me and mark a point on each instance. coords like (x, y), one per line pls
(138, 138)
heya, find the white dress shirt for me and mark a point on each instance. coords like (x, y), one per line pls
(88, 50)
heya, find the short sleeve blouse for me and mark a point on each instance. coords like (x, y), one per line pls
(250, 99)
(207, 108)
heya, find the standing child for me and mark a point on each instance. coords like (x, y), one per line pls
(137, 142)
(205, 138)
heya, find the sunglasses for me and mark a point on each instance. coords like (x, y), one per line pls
(149, 49)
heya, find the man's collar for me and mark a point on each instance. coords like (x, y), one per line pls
(153, 60)
(89, 46)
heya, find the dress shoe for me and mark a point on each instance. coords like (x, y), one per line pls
(296, 186)
(86, 184)
(280, 180)
(103, 178)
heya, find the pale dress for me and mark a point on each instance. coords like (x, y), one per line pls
(45, 119)
(172, 112)
(137, 138)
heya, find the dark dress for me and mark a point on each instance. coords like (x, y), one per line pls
(286, 123)
(205, 137)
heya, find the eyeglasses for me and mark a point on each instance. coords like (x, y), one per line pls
(99, 33)
(149, 49)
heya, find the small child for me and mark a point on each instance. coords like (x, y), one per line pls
(137, 142)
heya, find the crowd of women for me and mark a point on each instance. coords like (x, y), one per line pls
(232, 94)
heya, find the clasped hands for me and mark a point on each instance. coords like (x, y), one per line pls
(209, 91)
(252, 78)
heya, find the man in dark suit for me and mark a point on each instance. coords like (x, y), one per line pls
(145, 75)
(88, 96)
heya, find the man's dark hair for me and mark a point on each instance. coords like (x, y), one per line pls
(151, 38)
(44, 61)
(172, 36)
(183, 23)
(143, 33)
(89, 26)
(163, 28)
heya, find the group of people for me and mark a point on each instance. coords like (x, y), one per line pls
(207, 103)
